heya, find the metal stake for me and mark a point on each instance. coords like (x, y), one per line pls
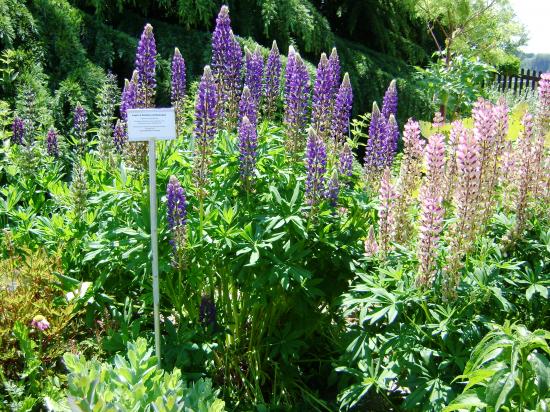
(154, 241)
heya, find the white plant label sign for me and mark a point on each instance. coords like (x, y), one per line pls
(147, 124)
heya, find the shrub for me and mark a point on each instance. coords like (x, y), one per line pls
(135, 382)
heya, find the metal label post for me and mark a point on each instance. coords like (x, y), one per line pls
(150, 125)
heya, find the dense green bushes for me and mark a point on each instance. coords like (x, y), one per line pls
(72, 49)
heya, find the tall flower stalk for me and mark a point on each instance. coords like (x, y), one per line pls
(248, 144)
(297, 90)
(248, 107)
(254, 64)
(431, 224)
(226, 67)
(339, 126)
(463, 231)
(409, 179)
(107, 100)
(345, 164)
(178, 87)
(79, 191)
(435, 163)
(389, 105)
(316, 167)
(334, 69)
(52, 146)
(146, 62)
(129, 98)
(80, 126)
(120, 137)
(379, 152)
(526, 178)
(457, 128)
(431, 209)
(18, 131)
(322, 101)
(177, 220)
(272, 80)
(205, 131)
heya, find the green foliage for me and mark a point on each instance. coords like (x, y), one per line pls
(135, 382)
(300, 20)
(509, 65)
(456, 87)
(388, 27)
(473, 28)
(408, 348)
(16, 24)
(508, 370)
(34, 383)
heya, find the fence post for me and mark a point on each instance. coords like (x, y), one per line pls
(522, 75)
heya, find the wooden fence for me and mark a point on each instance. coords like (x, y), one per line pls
(518, 82)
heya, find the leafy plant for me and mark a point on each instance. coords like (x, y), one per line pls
(135, 382)
(508, 370)
(457, 86)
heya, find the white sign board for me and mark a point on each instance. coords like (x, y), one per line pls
(147, 124)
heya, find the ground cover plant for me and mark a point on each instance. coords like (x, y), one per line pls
(292, 275)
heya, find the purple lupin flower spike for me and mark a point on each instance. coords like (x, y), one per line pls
(272, 79)
(342, 111)
(393, 138)
(226, 64)
(205, 108)
(389, 105)
(128, 99)
(254, 73)
(80, 125)
(120, 137)
(376, 151)
(205, 126)
(221, 42)
(296, 102)
(178, 87)
(333, 190)
(322, 98)
(248, 107)
(51, 143)
(248, 144)
(334, 69)
(18, 130)
(177, 219)
(146, 61)
(178, 78)
(345, 166)
(290, 72)
(316, 166)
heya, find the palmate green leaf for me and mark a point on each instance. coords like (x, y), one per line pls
(465, 402)
(497, 293)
